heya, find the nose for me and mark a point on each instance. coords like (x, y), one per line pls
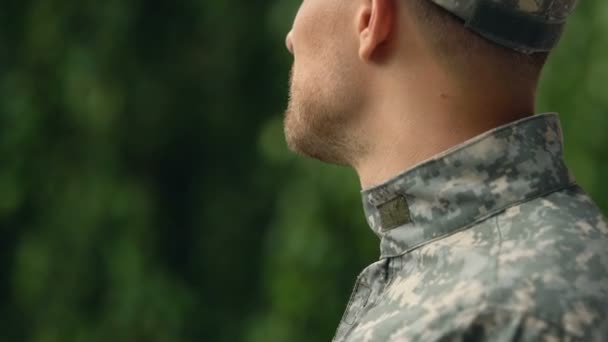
(289, 42)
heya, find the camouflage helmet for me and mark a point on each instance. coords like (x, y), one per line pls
(524, 25)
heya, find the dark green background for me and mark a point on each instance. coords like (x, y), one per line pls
(146, 193)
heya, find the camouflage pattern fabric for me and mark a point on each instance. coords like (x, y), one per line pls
(544, 10)
(489, 241)
(525, 25)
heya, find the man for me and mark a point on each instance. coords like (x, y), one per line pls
(485, 235)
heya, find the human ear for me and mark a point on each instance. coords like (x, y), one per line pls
(376, 20)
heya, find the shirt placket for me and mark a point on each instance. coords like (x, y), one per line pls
(361, 298)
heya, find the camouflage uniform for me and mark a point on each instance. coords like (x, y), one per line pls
(489, 241)
(524, 25)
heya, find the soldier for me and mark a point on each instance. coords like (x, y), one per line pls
(485, 236)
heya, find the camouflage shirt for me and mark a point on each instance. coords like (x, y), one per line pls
(489, 241)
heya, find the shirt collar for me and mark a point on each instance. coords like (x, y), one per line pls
(467, 183)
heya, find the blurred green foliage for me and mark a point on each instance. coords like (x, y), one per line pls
(146, 193)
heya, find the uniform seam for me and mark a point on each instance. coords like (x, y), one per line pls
(497, 268)
(551, 323)
(524, 314)
(488, 216)
(391, 272)
(491, 309)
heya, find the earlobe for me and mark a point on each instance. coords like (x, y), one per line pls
(375, 23)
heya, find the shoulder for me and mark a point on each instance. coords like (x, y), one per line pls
(493, 324)
(473, 324)
(553, 262)
(569, 212)
(536, 271)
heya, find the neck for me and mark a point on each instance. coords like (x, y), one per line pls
(414, 120)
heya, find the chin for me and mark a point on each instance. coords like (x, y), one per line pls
(306, 142)
(319, 127)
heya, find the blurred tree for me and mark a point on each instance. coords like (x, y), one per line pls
(147, 193)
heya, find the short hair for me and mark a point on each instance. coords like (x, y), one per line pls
(456, 46)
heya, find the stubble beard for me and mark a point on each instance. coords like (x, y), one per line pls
(322, 125)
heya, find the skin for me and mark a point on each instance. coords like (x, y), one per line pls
(367, 90)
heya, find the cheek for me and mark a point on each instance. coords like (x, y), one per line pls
(326, 62)
(306, 34)
(321, 26)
